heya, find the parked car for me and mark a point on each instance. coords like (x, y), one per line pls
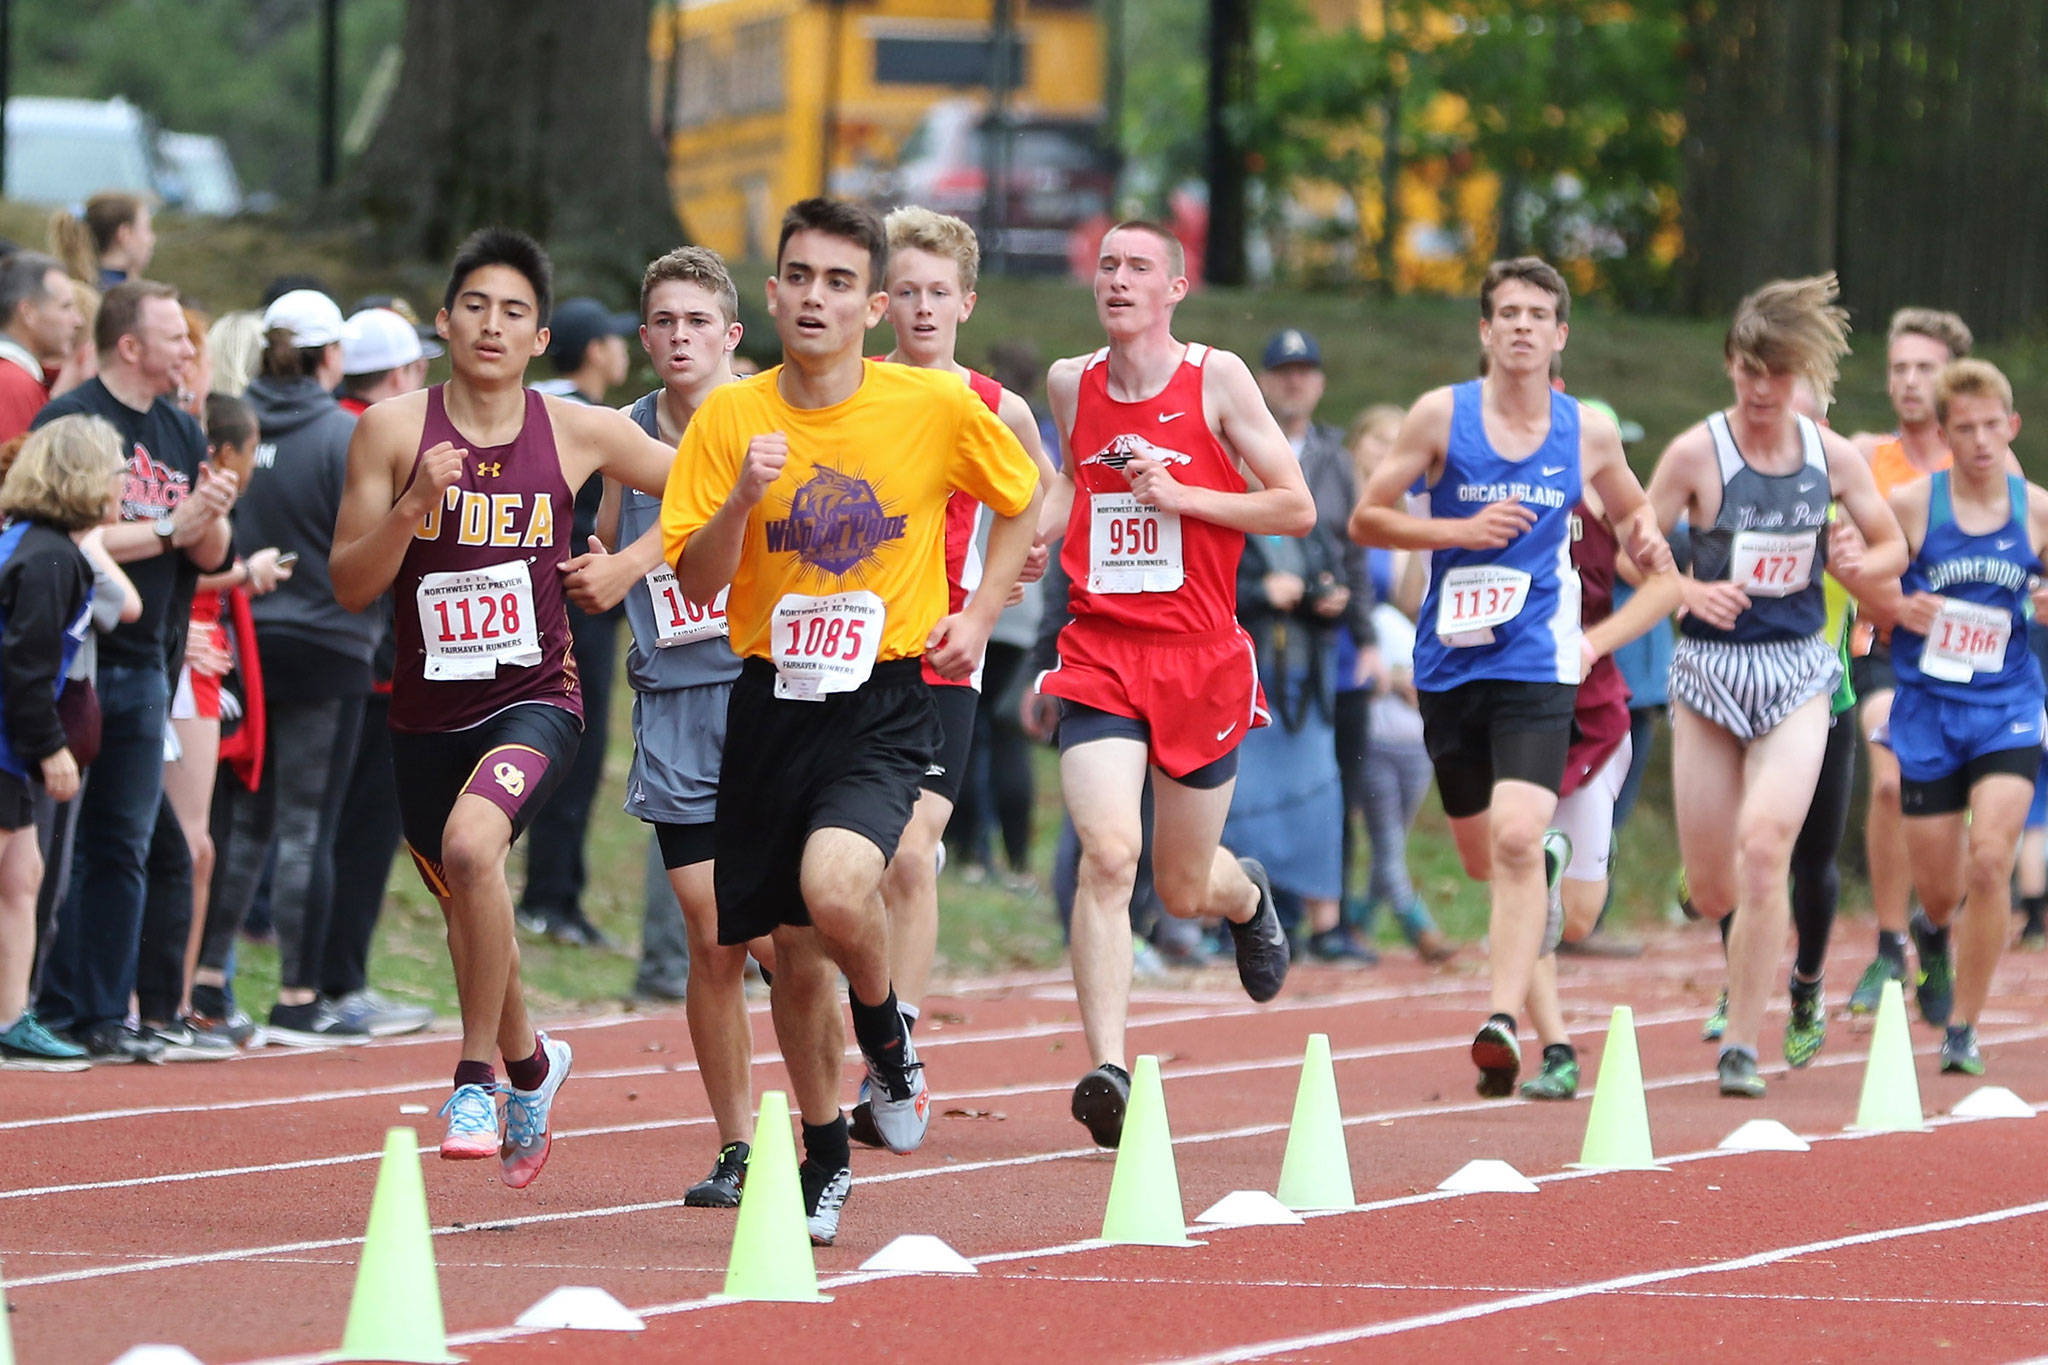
(200, 175)
(61, 152)
(1058, 176)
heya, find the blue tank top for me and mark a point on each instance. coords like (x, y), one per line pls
(1990, 571)
(649, 666)
(1762, 517)
(1540, 643)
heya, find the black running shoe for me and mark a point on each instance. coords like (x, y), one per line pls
(1260, 942)
(1099, 1103)
(1498, 1055)
(721, 1189)
(112, 1042)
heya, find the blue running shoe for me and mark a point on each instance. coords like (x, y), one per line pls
(525, 1149)
(472, 1114)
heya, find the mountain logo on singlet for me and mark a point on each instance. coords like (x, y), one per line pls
(836, 523)
(1123, 449)
(152, 489)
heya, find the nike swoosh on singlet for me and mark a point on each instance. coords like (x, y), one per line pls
(1806, 488)
(2005, 544)
(1551, 471)
(1169, 416)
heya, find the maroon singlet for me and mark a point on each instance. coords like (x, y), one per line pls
(1600, 718)
(511, 506)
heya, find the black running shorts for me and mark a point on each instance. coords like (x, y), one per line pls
(957, 707)
(1488, 731)
(852, 761)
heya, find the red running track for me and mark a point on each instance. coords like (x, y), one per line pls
(132, 1211)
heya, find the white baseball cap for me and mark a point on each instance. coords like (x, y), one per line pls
(379, 340)
(310, 316)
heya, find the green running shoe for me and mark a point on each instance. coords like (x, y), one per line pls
(1717, 1022)
(1739, 1076)
(1807, 1028)
(1870, 986)
(1559, 1079)
(1959, 1053)
(1557, 856)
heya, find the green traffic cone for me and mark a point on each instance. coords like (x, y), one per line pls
(1316, 1172)
(1144, 1192)
(1891, 1090)
(395, 1314)
(1618, 1128)
(771, 1243)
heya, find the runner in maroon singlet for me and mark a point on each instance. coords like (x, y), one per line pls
(458, 500)
(1163, 442)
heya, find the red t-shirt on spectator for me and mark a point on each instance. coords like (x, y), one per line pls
(21, 397)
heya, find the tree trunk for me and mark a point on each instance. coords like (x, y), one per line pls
(1230, 47)
(531, 116)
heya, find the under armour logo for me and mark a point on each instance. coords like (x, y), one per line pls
(510, 778)
(490, 469)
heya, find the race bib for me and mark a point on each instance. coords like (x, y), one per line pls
(1132, 547)
(1476, 598)
(474, 620)
(824, 645)
(1770, 564)
(678, 620)
(1968, 638)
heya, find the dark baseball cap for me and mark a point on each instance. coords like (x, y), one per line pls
(578, 322)
(1291, 346)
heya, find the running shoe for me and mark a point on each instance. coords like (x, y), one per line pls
(313, 1024)
(824, 1196)
(860, 1124)
(184, 1043)
(1498, 1055)
(2033, 938)
(1717, 1022)
(1806, 1028)
(899, 1103)
(1099, 1103)
(472, 1114)
(1870, 986)
(1681, 896)
(1739, 1077)
(1558, 1080)
(1419, 927)
(1260, 943)
(1341, 944)
(1934, 989)
(237, 1027)
(527, 1140)
(721, 1189)
(27, 1043)
(112, 1042)
(1557, 856)
(380, 1016)
(1959, 1053)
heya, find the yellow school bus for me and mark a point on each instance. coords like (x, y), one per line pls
(767, 101)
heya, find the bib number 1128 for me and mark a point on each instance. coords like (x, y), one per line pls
(482, 617)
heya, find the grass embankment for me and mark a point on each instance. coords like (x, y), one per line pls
(1661, 372)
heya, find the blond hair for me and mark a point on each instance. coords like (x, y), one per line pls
(1936, 325)
(1379, 416)
(1793, 327)
(62, 473)
(237, 342)
(913, 228)
(1969, 379)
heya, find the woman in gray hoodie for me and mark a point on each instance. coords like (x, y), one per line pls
(316, 672)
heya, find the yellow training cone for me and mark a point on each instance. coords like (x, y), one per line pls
(1618, 1129)
(1144, 1193)
(396, 1312)
(1891, 1091)
(771, 1243)
(1316, 1172)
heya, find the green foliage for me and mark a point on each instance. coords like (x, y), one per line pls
(245, 70)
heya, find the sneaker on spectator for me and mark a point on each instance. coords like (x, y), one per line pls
(27, 1044)
(313, 1024)
(380, 1016)
(111, 1042)
(238, 1028)
(184, 1043)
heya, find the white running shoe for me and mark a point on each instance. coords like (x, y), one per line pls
(525, 1149)
(901, 1109)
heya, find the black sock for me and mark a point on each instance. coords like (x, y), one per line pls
(211, 1002)
(2035, 906)
(825, 1145)
(1935, 938)
(1726, 926)
(1892, 948)
(474, 1073)
(879, 1029)
(1559, 1052)
(1804, 990)
(909, 1013)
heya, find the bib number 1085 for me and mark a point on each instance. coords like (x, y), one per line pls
(825, 637)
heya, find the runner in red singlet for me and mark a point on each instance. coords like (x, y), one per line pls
(1154, 673)
(934, 261)
(458, 500)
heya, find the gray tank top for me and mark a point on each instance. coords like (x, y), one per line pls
(1770, 535)
(651, 667)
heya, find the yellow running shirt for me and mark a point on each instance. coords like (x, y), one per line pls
(860, 507)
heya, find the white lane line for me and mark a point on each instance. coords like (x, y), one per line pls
(1615, 1284)
(924, 1044)
(958, 1168)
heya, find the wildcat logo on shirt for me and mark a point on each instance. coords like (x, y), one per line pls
(153, 489)
(836, 523)
(1123, 449)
